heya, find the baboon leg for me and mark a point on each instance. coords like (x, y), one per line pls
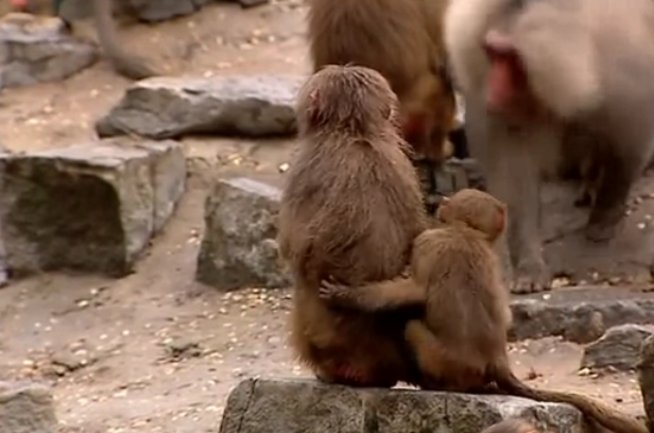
(428, 351)
(125, 64)
(382, 295)
(428, 184)
(505, 160)
(610, 202)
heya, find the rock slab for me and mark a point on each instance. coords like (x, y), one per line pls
(36, 49)
(299, 406)
(144, 10)
(578, 321)
(618, 348)
(26, 408)
(239, 248)
(88, 207)
(165, 107)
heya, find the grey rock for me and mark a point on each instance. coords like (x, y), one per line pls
(26, 408)
(145, 10)
(262, 406)
(580, 321)
(165, 107)
(618, 348)
(646, 379)
(239, 248)
(37, 49)
(160, 10)
(88, 207)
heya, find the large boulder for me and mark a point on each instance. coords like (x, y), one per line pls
(88, 207)
(239, 248)
(166, 107)
(26, 408)
(298, 406)
(37, 49)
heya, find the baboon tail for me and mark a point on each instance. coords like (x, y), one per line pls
(125, 64)
(611, 419)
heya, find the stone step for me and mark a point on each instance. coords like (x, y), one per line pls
(303, 406)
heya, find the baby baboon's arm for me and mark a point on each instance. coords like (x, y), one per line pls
(381, 295)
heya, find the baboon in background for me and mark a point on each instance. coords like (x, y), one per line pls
(124, 63)
(461, 344)
(401, 39)
(351, 208)
(533, 73)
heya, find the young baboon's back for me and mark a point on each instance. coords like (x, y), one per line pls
(351, 209)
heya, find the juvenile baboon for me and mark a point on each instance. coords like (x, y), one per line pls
(460, 345)
(532, 71)
(126, 64)
(351, 208)
(401, 39)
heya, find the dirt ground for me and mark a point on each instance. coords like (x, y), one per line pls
(156, 351)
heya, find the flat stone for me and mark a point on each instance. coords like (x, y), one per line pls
(26, 408)
(299, 406)
(37, 49)
(165, 107)
(90, 207)
(239, 248)
(160, 10)
(618, 348)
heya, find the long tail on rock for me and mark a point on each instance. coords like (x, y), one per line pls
(604, 415)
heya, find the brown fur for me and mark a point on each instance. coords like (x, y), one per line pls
(530, 73)
(351, 208)
(461, 343)
(126, 64)
(401, 39)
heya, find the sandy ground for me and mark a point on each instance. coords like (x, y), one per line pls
(156, 351)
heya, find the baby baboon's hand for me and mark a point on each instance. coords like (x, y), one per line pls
(332, 291)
